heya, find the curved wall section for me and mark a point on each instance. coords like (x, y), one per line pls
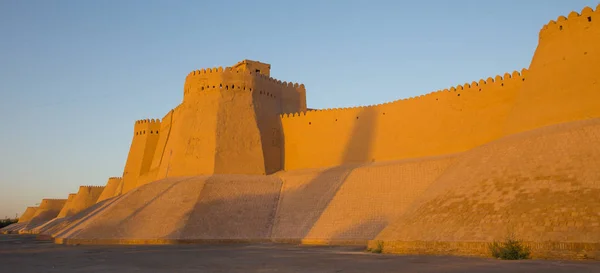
(443, 122)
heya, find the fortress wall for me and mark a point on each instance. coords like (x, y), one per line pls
(141, 151)
(239, 124)
(541, 183)
(153, 128)
(350, 203)
(191, 144)
(119, 189)
(48, 210)
(564, 83)
(147, 177)
(110, 189)
(443, 122)
(272, 98)
(239, 145)
(290, 96)
(268, 104)
(65, 209)
(159, 154)
(27, 214)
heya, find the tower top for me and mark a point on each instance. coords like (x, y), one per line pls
(254, 66)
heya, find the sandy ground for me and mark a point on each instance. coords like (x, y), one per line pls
(19, 253)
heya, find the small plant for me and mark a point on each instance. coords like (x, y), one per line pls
(378, 248)
(510, 249)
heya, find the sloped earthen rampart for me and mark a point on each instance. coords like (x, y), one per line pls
(540, 186)
(224, 207)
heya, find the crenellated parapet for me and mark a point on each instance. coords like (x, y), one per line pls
(86, 187)
(575, 20)
(240, 79)
(490, 84)
(146, 127)
(216, 79)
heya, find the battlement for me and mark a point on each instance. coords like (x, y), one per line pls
(115, 178)
(143, 121)
(90, 187)
(230, 74)
(53, 199)
(239, 78)
(573, 20)
(146, 127)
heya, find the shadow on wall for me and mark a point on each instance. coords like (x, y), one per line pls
(218, 214)
(256, 214)
(369, 228)
(308, 203)
(360, 146)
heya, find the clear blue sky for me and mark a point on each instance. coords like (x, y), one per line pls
(75, 75)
